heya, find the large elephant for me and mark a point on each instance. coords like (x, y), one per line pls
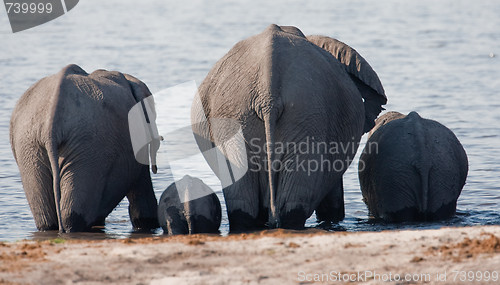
(412, 169)
(70, 137)
(283, 92)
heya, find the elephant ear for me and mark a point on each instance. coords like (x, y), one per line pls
(385, 119)
(293, 30)
(142, 96)
(361, 73)
(138, 88)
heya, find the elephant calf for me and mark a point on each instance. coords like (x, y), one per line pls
(69, 134)
(198, 212)
(412, 169)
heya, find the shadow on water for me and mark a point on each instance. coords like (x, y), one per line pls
(350, 224)
(331, 227)
(97, 233)
(461, 219)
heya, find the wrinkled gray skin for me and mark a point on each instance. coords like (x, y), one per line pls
(412, 169)
(282, 87)
(200, 215)
(74, 125)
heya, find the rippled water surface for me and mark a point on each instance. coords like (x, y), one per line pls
(440, 58)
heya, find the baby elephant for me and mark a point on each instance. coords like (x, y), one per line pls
(412, 169)
(198, 212)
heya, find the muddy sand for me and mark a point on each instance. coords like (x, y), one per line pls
(443, 256)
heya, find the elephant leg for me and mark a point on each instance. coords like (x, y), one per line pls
(37, 183)
(242, 203)
(331, 208)
(302, 185)
(143, 206)
(294, 199)
(82, 186)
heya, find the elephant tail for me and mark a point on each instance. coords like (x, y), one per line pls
(54, 164)
(269, 125)
(424, 175)
(423, 164)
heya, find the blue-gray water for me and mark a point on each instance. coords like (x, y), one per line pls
(440, 58)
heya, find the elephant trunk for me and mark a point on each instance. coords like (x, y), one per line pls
(269, 125)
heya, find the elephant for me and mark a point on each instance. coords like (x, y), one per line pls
(412, 169)
(70, 138)
(279, 90)
(199, 211)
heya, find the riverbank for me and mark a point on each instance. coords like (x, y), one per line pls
(443, 256)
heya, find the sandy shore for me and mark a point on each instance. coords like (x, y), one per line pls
(444, 256)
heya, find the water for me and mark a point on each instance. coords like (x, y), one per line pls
(434, 57)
